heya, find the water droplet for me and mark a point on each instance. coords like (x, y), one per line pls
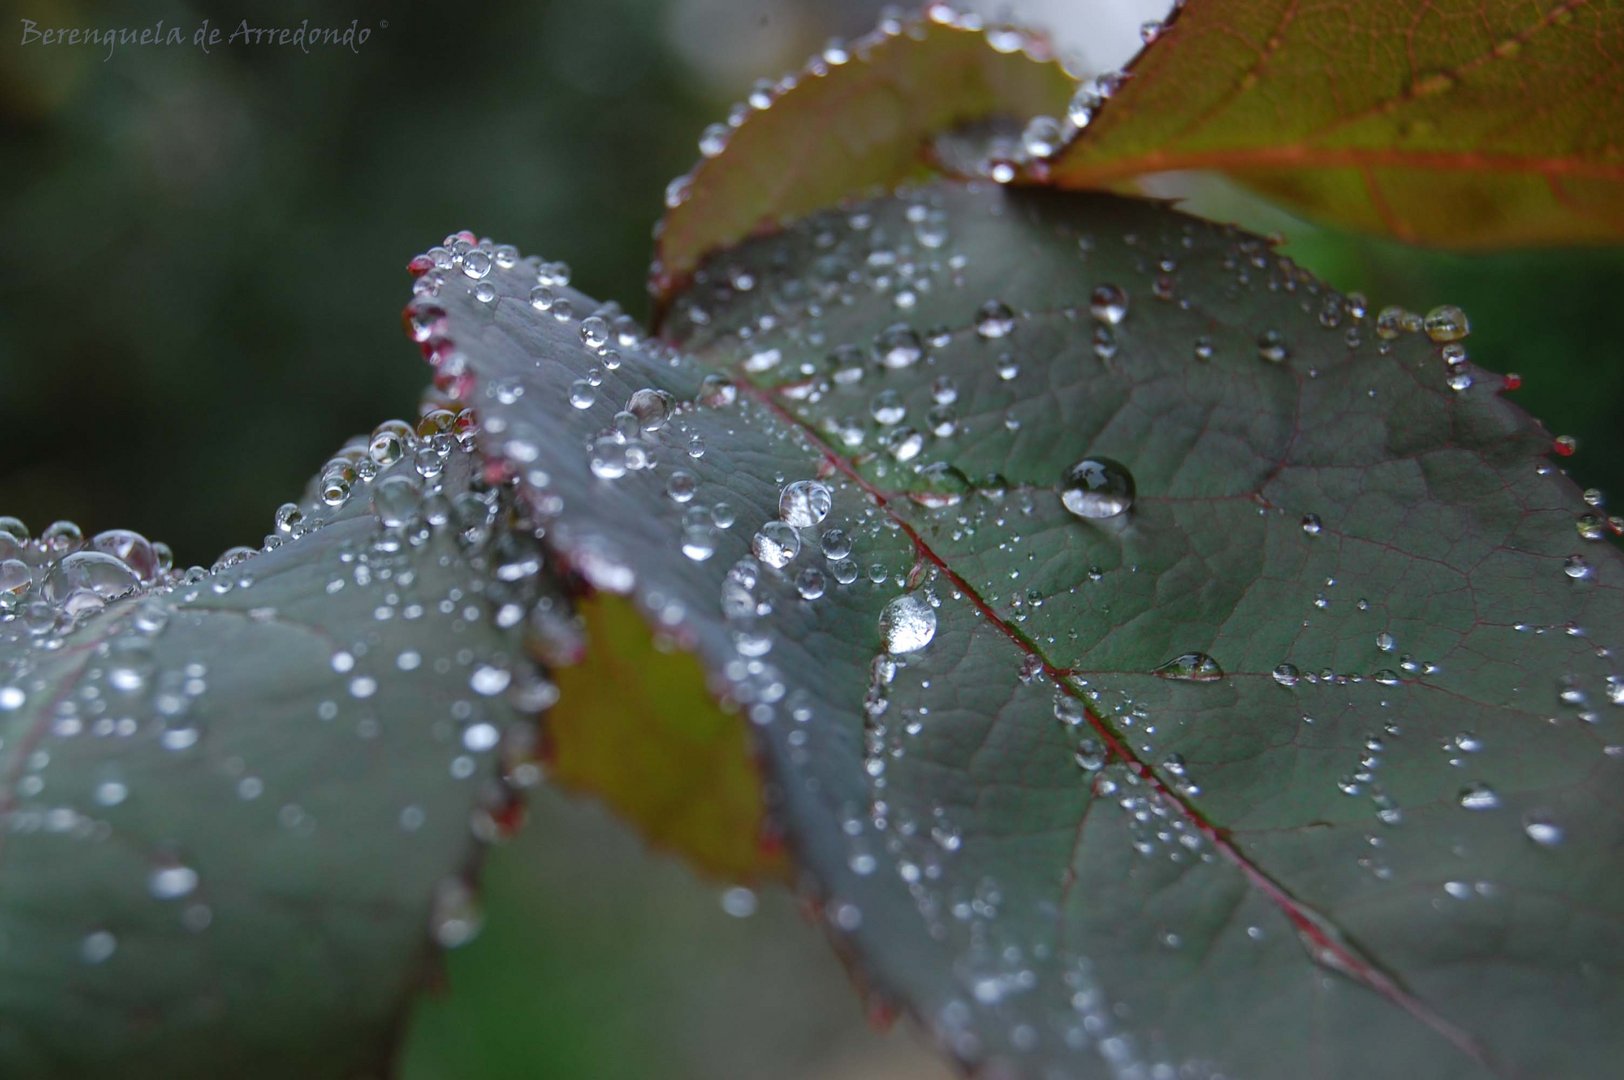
(1097, 488)
(804, 503)
(489, 679)
(608, 458)
(1576, 567)
(907, 624)
(811, 583)
(98, 947)
(994, 319)
(1109, 304)
(1312, 524)
(1542, 830)
(1271, 346)
(1191, 667)
(698, 542)
(776, 544)
(395, 499)
(739, 902)
(1043, 137)
(94, 572)
(1287, 675)
(682, 486)
(594, 331)
(651, 407)
(171, 882)
(1478, 796)
(898, 346)
(1446, 323)
(1091, 755)
(456, 918)
(887, 408)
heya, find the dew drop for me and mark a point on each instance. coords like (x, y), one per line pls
(1109, 304)
(994, 319)
(651, 407)
(98, 947)
(898, 346)
(1542, 830)
(804, 503)
(1271, 346)
(1097, 488)
(1191, 667)
(907, 624)
(171, 882)
(1446, 323)
(776, 544)
(395, 499)
(1478, 796)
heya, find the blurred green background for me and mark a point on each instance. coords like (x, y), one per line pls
(199, 301)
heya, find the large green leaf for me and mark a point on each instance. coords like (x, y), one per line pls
(240, 808)
(1304, 764)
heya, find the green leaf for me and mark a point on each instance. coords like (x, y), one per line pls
(856, 119)
(1306, 760)
(240, 809)
(1468, 123)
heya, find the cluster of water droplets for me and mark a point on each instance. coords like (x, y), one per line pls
(107, 606)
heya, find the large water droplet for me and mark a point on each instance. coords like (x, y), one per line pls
(804, 503)
(907, 624)
(1097, 487)
(1192, 667)
(1446, 323)
(395, 499)
(776, 544)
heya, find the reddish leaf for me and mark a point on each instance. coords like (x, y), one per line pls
(849, 127)
(1465, 123)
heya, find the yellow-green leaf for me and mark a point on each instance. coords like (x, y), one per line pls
(637, 726)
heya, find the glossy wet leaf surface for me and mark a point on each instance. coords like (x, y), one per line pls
(1163, 662)
(857, 118)
(240, 810)
(1467, 124)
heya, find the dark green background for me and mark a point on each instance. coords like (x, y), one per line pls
(163, 209)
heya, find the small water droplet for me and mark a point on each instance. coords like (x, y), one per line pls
(171, 882)
(1109, 304)
(994, 319)
(1271, 346)
(1542, 830)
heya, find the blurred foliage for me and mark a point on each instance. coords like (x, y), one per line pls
(164, 208)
